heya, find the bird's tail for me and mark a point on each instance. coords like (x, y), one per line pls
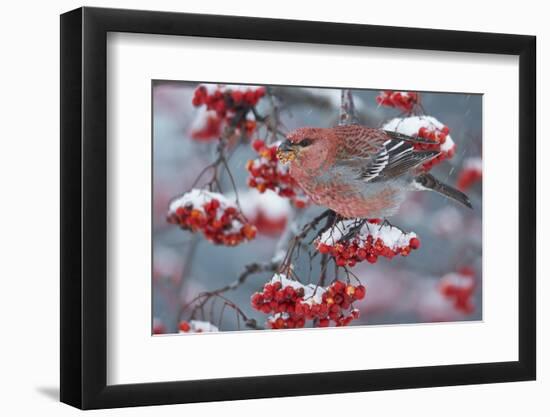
(428, 181)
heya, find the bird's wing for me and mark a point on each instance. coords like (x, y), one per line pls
(374, 154)
(395, 159)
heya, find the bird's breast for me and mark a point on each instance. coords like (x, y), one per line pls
(350, 198)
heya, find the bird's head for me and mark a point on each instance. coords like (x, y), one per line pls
(309, 147)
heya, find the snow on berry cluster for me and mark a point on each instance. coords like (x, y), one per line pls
(292, 303)
(426, 127)
(206, 126)
(229, 105)
(459, 288)
(472, 172)
(402, 100)
(196, 326)
(267, 211)
(266, 173)
(215, 216)
(349, 246)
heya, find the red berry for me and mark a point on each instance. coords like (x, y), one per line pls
(237, 96)
(360, 292)
(256, 299)
(299, 204)
(260, 92)
(340, 261)
(338, 286)
(414, 243)
(323, 248)
(258, 145)
(289, 292)
(184, 326)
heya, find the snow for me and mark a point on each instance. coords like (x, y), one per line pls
(201, 117)
(197, 326)
(474, 164)
(211, 88)
(393, 237)
(204, 326)
(313, 294)
(457, 280)
(197, 198)
(269, 203)
(273, 205)
(284, 316)
(411, 125)
(281, 167)
(447, 145)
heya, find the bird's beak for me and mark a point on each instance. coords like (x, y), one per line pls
(287, 151)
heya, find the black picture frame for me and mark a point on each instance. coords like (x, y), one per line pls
(84, 207)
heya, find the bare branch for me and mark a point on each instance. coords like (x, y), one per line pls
(348, 114)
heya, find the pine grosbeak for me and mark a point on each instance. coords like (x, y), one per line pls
(359, 171)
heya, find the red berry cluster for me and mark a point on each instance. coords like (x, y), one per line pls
(227, 100)
(366, 245)
(268, 225)
(266, 173)
(470, 174)
(293, 304)
(401, 100)
(267, 211)
(229, 105)
(441, 142)
(436, 135)
(211, 128)
(459, 287)
(184, 326)
(223, 225)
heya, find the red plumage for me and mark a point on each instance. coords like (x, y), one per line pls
(359, 171)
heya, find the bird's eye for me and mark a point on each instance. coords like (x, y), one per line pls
(305, 142)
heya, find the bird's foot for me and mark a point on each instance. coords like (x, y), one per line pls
(355, 229)
(385, 222)
(331, 219)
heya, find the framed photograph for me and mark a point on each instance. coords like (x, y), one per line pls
(258, 208)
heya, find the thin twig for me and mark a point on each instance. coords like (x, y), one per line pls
(348, 115)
